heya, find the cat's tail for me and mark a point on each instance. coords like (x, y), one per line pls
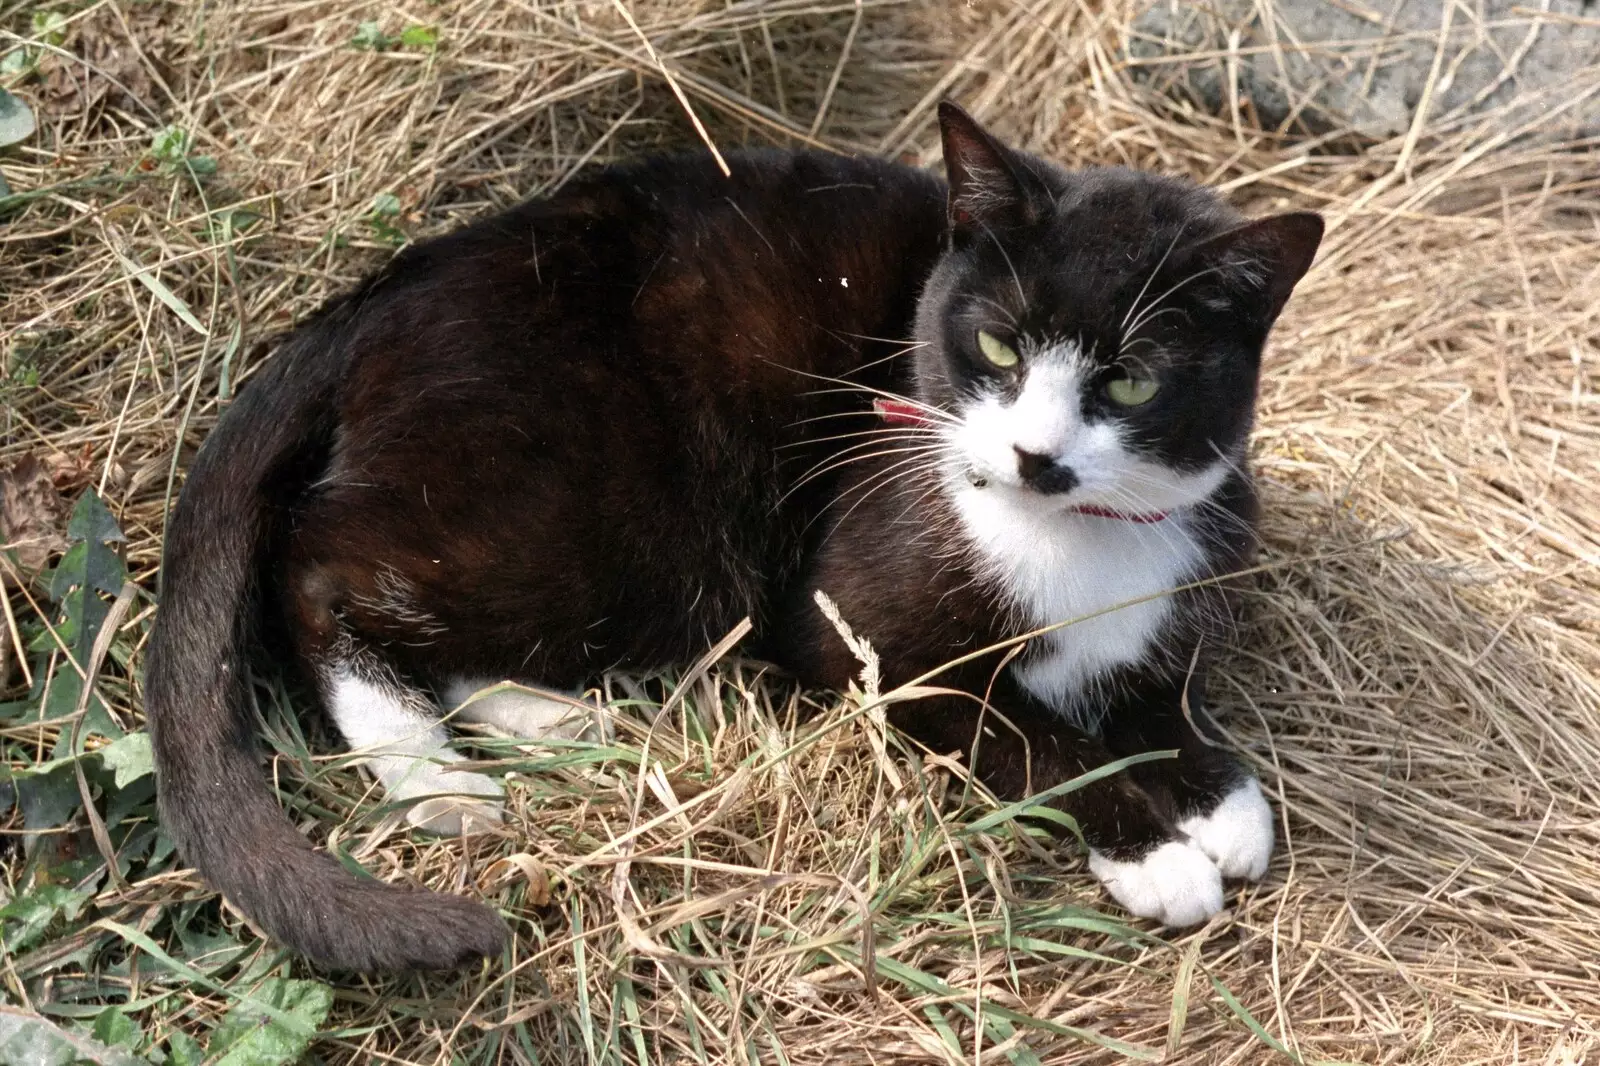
(214, 799)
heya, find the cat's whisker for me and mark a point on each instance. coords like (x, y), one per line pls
(930, 460)
(1016, 279)
(1214, 509)
(896, 432)
(1123, 328)
(951, 420)
(849, 386)
(881, 435)
(868, 485)
(1146, 320)
(861, 413)
(866, 449)
(844, 457)
(1159, 300)
(883, 478)
(1135, 363)
(1010, 316)
(839, 463)
(911, 344)
(906, 347)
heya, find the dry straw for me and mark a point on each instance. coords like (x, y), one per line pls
(1417, 686)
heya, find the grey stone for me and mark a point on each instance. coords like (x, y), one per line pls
(1364, 64)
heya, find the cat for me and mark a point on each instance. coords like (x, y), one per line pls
(600, 429)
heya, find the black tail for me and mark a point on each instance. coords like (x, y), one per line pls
(214, 798)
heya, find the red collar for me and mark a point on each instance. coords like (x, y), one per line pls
(906, 413)
(1148, 519)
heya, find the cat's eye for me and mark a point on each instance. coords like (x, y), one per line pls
(1131, 391)
(997, 351)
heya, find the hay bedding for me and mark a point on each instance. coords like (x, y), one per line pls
(1418, 686)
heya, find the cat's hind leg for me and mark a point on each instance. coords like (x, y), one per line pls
(520, 710)
(396, 728)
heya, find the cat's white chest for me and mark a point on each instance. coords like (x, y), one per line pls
(1054, 567)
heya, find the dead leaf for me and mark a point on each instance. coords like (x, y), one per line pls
(33, 513)
(71, 474)
(533, 871)
(113, 69)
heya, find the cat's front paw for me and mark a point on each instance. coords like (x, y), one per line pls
(1237, 833)
(1177, 884)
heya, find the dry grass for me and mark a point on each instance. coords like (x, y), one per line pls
(1418, 686)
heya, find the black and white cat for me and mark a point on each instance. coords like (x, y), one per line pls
(599, 429)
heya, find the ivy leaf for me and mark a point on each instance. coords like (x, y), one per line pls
(47, 799)
(62, 701)
(15, 62)
(31, 1040)
(115, 1029)
(129, 758)
(252, 1038)
(386, 206)
(170, 145)
(90, 566)
(26, 918)
(368, 35)
(16, 120)
(183, 1050)
(49, 26)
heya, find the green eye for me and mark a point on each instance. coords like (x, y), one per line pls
(1131, 392)
(997, 351)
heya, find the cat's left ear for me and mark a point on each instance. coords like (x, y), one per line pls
(1259, 263)
(989, 184)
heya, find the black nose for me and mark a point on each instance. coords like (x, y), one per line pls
(1040, 473)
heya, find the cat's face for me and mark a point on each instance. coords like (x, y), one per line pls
(1095, 337)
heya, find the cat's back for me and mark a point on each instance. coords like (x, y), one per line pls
(656, 271)
(647, 233)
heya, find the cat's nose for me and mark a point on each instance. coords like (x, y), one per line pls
(1043, 474)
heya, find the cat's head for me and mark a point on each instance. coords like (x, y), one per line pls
(1094, 337)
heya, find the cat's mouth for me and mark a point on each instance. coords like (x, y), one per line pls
(1062, 503)
(1051, 500)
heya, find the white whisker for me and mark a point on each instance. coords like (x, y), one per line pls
(1123, 328)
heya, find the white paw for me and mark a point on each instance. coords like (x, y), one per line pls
(1176, 884)
(449, 802)
(1237, 834)
(455, 816)
(521, 711)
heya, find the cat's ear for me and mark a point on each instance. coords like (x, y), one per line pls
(989, 185)
(1258, 264)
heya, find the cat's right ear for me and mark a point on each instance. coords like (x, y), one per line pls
(989, 185)
(1258, 264)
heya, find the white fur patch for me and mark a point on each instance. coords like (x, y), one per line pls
(1057, 567)
(1238, 834)
(519, 710)
(1055, 564)
(1176, 884)
(408, 751)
